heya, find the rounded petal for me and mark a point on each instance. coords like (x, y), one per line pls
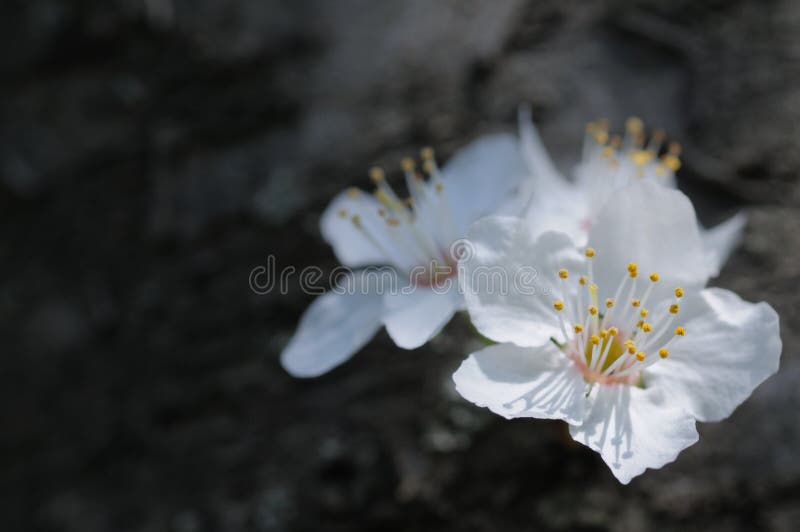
(634, 429)
(655, 227)
(333, 328)
(350, 244)
(731, 346)
(722, 239)
(482, 177)
(510, 280)
(517, 382)
(415, 315)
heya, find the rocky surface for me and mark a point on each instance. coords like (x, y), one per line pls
(152, 152)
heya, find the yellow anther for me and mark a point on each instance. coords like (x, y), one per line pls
(660, 169)
(578, 329)
(592, 310)
(439, 187)
(394, 222)
(674, 148)
(583, 280)
(426, 153)
(674, 308)
(603, 334)
(644, 312)
(635, 302)
(609, 303)
(594, 339)
(356, 219)
(601, 136)
(680, 331)
(608, 151)
(428, 166)
(663, 353)
(558, 305)
(629, 342)
(679, 292)
(641, 157)
(563, 273)
(408, 164)
(589, 252)
(671, 161)
(343, 213)
(647, 327)
(640, 324)
(634, 125)
(353, 193)
(654, 277)
(376, 174)
(640, 356)
(613, 331)
(633, 267)
(631, 349)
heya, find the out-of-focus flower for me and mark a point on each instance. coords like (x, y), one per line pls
(621, 341)
(417, 237)
(608, 163)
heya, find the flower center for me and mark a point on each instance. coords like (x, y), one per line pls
(414, 233)
(611, 346)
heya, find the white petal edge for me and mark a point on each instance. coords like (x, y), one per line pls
(417, 315)
(523, 382)
(731, 346)
(510, 280)
(634, 429)
(722, 239)
(333, 328)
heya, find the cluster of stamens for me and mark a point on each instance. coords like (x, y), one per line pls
(414, 233)
(615, 344)
(631, 155)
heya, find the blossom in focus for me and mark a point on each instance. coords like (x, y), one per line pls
(416, 237)
(608, 163)
(622, 341)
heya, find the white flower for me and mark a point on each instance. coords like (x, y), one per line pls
(415, 237)
(630, 358)
(608, 163)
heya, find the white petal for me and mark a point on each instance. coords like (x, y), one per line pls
(523, 382)
(350, 244)
(731, 346)
(333, 328)
(722, 239)
(482, 177)
(511, 280)
(655, 227)
(634, 429)
(415, 317)
(565, 211)
(541, 166)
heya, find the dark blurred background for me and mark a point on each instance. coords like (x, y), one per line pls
(153, 152)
